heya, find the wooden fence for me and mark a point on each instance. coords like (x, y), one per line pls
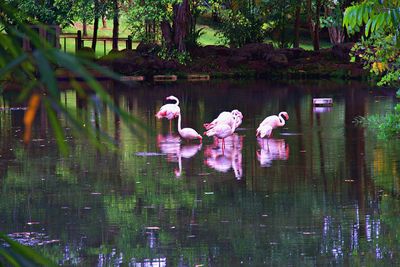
(80, 41)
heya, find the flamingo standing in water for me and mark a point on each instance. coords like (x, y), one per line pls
(188, 133)
(169, 111)
(225, 117)
(270, 123)
(223, 130)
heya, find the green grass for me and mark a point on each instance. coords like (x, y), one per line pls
(208, 37)
(307, 44)
(69, 44)
(102, 32)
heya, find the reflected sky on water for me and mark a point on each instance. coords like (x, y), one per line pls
(321, 191)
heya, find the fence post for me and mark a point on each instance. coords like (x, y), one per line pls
(129, 42)
(78, 41)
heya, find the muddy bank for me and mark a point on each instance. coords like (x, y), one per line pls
(252, 61)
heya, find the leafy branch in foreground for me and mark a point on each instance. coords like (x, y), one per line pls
(15, 254)
(379, 51)
(35, 74)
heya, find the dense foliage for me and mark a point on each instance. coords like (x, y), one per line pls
(241, 24)
(54, 12)
(378, 50)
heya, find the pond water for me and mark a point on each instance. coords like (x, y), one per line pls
(323, 191)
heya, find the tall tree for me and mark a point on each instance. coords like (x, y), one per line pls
(96, 23)
(333, 20)
(172, 17)
(316, 41)
(314, 24)
(115, 32)
(181, 24)
(296, 30)
(83, 10)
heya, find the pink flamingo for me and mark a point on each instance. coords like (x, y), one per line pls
(169, 111)
(222, 130)
(270, 123)
(188, 133)
(225, 117)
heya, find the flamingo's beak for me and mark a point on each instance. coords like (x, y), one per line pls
(287, 116)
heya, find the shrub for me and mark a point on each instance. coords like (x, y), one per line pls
(240, 28)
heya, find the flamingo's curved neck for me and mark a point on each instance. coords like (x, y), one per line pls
(176, 99)
(281, 119)
(179, 123)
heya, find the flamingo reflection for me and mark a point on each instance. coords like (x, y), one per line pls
(272, 149)
(223, 160)
(170, 145)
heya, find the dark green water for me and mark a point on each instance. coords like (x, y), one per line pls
(323, 192)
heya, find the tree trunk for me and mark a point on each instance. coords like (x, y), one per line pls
(84, 27)
(336, 33)
(316, 27)
(309, 20)
(115, 25)
(296, 41)
(96, 24)
(181, 24)
(166, 32)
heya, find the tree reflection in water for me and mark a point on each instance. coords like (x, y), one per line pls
(333, 201)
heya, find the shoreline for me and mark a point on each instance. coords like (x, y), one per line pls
(250, 61)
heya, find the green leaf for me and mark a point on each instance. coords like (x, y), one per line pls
(10, 66)
(374, 22)
(380, 21)
(366, 13)
(46, 73)
(367, 27)
(55, 123)
(395, 18)
(8, 257)
(20, 253)
(360, 13)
